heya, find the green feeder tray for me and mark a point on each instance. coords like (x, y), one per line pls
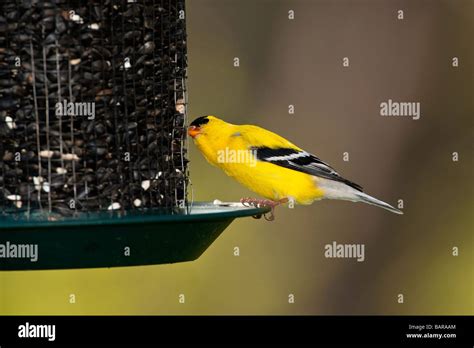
(115, 238)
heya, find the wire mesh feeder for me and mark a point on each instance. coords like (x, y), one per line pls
(93, 138)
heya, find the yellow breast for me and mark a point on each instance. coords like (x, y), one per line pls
(266, 179)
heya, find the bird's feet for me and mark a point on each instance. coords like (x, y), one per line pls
(259, 203)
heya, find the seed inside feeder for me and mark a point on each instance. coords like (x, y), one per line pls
(37, 181)
(137, 203)
(146, 184)
(77, 18)
(180, 106)
(132, 71)
(70, 156)
(10, 123)
(114, 206)
(46, 153)
(46, 187)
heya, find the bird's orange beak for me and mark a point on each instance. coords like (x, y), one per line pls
(193, 131)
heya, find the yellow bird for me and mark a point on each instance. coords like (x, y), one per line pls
(271, 166)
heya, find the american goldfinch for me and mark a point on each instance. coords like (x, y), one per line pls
(271, 166)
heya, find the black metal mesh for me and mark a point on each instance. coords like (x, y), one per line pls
(124, 60)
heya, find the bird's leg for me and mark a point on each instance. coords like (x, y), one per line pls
(263, 203)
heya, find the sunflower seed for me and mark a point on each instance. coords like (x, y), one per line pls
(114, 206)
(10, 123)
(76, 18)
(146, 184)
(69, 157)
(46, 187)
(46, 153)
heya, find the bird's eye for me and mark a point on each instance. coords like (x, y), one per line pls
(199, 121)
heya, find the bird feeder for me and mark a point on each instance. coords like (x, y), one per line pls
(93, 166)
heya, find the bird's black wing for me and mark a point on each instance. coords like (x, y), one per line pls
(300, 161)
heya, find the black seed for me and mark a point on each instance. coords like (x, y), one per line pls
(134, 107)
(147, 48)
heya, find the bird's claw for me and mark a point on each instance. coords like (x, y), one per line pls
(260, 203)
(245, 202)
(270, 217)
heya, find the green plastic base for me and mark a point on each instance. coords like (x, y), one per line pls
(116, 239)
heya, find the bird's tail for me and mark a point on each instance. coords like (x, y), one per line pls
(363, 197)
(338, 190)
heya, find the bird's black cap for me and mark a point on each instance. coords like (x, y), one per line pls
(199, 121)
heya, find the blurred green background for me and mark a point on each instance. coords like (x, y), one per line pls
(299, 62)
